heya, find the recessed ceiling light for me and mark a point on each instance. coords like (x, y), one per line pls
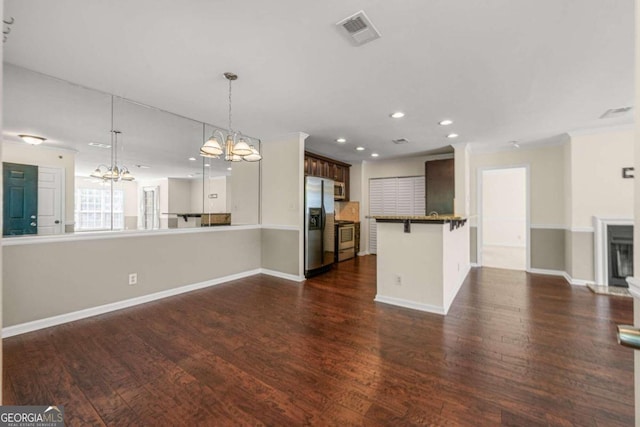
(193, 159)
(190, 175)
(452, 135)
(206, 165)
(515, 144)
(99, 145)
(341, 140)
(397, 115)
(229, 169)
(374, 154)
(32, 139)
(143, 166)
(360, 148)
(445, 122)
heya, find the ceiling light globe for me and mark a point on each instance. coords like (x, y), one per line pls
(241, 148)
(211, 148)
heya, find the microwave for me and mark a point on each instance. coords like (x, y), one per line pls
(339, 192)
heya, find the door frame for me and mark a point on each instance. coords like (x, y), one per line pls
(479, 183)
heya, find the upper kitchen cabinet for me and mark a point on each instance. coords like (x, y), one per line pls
(440, 186)
(316, 165)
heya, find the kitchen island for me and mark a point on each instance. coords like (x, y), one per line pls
(422, 261)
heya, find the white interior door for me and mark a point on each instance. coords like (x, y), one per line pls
(50, 200)
(504, 218)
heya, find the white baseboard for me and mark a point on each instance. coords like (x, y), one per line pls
(576, 282)
(363, 253)
(564, 274)
(410, 304)
(281, 275)
(475, 265)
(35, 325)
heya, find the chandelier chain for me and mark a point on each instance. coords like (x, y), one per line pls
(230, 128)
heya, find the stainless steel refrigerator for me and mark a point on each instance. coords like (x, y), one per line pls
(319, 243)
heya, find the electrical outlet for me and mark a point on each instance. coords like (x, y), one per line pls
(133, 278)
(398, 280)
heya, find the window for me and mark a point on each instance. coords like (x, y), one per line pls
(93, 209)
(394, 196)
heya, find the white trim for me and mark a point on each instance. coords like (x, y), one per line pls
(474, 265)
(444, 156)
(280, 227)
(548, 227)
(118, 305)
(546, 272)
(410, 304)
(634, 286)
(576, 282)
(570, 280)
(600, 250)
(363, 253)
(581, 229)
(282, 275)
(98, 235)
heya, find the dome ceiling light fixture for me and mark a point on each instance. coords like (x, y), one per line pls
(32, 139)
(237, 147)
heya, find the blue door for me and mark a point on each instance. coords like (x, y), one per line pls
(20, 201)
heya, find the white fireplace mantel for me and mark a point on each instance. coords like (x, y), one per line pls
(600, 247)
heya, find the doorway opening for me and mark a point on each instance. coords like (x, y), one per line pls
(503, 223)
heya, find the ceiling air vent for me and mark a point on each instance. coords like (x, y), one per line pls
(615, 112)
(400, 141)
(358, 28)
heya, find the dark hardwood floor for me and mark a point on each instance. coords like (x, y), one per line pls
(515, 349)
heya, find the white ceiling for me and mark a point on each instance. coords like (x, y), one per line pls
(503, 70)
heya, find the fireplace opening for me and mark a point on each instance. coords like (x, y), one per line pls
(620, 254)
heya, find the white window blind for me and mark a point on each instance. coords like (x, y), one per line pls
(394, 196)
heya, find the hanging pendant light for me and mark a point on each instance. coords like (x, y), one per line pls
(236, 148)
(113, 172)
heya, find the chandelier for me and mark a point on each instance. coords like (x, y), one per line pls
(237, 147)
(113, 172)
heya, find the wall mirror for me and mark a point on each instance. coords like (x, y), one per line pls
(164, 182)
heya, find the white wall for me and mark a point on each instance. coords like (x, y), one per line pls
(179, 195)
(243, 193)
(546, 164)
(597, 186)
(432, 262)
(282, 192)
(216, 185)
(504, 213)
(13, 152)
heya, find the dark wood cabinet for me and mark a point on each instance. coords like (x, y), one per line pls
(317, 165)
(439, 186)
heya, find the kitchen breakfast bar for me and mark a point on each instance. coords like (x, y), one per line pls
(422, 261)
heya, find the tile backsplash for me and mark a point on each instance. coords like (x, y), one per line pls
(348, 211)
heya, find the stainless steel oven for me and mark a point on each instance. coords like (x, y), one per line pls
(345, 241)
